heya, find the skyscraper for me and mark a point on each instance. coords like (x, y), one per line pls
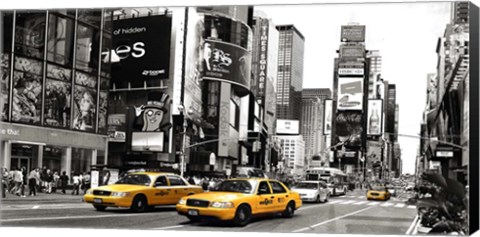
(290, 72)
(311, 125)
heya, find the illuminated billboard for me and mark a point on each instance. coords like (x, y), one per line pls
(350, 93)
(374, 117)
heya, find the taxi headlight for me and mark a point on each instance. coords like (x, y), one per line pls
(182, 201)
(120, 194)
(90, 191)
(222, 204)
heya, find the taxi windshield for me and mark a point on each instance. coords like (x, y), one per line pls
(237, 186)
(135, 179)
(307, 185)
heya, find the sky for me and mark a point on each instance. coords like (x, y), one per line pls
(406, 35)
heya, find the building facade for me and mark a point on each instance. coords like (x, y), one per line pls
(311, 125)
(55, 86)
(293, 150)
(291, 45)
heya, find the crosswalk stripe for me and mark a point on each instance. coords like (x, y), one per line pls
(347, 202)
(373, 203)
(400, 205)
(336, 201)
(360, 197)
(411, 206)
(359, 203)
(386, 204)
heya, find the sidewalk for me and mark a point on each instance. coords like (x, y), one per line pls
(43, 198)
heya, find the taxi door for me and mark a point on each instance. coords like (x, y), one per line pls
(179, 187)
(264, 198)
(163, 192)
(280, 195)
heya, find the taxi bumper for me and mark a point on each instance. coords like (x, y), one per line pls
(209, 212)
(376, 196)
(108, 200)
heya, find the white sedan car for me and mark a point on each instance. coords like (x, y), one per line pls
(312, 191)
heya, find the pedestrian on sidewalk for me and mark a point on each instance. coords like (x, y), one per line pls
(33, 180)
(4, 186)
(76, 184)
(86, 182)
(56, 181)
(24, 180)
(18, 180)
(64, 181)
(49, 181)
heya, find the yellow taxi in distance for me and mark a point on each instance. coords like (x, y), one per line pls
(239, 199)
(140, 190)
(378, 192)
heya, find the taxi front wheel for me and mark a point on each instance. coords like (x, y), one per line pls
(139, 204)
(289, 210)
(243, 215)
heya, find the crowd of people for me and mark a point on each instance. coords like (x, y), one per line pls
(41, 180)
(207, 183)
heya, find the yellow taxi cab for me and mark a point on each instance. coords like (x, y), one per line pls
(378, 192)
(140, 190)
(239, 199)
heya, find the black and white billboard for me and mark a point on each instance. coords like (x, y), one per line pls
(350, 93)
(348, 128)
(375, 117)
(141, 48)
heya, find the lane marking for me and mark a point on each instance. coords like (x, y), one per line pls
(411, 206)
(359, 203)
(400, 205)
(336, 201)
(168, 227)
(347, 202)
(410, 229)
(334, 219)
(35, 207)
(373, 203)
(386, 204)
(74, 217)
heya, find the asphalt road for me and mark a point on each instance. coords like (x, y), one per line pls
(349, 214)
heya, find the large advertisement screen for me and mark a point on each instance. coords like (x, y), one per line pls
(327, 118)
(285, 126)
(353, 33)
(374, 118)
(226, 62)
(350, 93)
(142, 48)
(348, 128)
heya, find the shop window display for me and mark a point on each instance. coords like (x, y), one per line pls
(57, 103)
(30, 34)
(27, 91)
(5, 84)
(84, 79)
(102, 112)
(90, 16)
(84, 109)
(81, 160)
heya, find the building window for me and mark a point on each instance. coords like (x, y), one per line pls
(81, 160)
(60, 40)
(27, 90)
(87, 54)
(30, 34)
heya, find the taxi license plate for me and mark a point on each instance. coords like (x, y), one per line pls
(97, 200)
(193, 212)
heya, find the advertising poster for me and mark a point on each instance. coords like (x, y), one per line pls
(353, 33)
(349, 128)
(57, 103)
(224, 123)
(287, 126)
(327, 118)
(84, 104)
(350, 93)
(102, 112)
(142, 43)
(192, 100)
(374, 152)
(375, 117)
(4, 84)
(59, 73)
(226, 62)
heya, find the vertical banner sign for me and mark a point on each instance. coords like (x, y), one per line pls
(350, 93)
(327, 118)
(375, 118)
(348, 127)
(224, 117)
(262, 64)
(142, 46)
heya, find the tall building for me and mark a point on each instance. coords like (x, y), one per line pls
(390, 112)
(55, 88)
(311, 125)
(290, 72)
(293, 150)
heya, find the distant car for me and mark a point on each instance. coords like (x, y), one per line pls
(378, 192)
(239, 199)
(140, 190)
(392, 189)
(410, 187)
(313, 191)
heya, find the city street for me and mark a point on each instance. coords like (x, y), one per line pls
(349, 214)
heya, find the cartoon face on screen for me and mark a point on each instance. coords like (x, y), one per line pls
(150, 117)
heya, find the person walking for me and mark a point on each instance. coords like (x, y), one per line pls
(76, 180)
(86, 182)
(4, 186)
(56, 181)
(33, 180)
(24, 181)
(63, 181)
(48, 181)
(18, 181)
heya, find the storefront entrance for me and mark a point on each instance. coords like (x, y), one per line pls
(19, 162)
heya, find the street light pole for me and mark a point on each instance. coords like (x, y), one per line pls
(182, 157)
